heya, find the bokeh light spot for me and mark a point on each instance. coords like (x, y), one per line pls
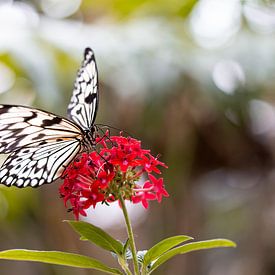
(60, 8)
(261, 19)
(262, 117)
(213, 22)
(228, 75)
(114, 213)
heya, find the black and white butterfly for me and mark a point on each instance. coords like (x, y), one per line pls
(41, 144)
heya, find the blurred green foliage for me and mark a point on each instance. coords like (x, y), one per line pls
(122, 9)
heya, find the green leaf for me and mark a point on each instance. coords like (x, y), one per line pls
(191, 247)
(160, 248)
(125, 247)
(57, 257)
(97, 236)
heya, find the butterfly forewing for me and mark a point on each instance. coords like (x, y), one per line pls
(84, 101)
(21, 126)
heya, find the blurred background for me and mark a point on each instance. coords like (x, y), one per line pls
(195, 81)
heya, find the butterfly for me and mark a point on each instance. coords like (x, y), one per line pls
(41, 144)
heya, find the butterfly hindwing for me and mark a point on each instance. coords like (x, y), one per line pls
(84, 101)
(39, 163)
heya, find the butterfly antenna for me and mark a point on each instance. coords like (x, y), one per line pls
(111, 127)
(100, 155)
(104, 136)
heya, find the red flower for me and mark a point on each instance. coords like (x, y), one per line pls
(158, 187)
(144, 194)
(150, 164)
(115, 169)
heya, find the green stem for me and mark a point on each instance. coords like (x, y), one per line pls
(124, 266)
(130, 235)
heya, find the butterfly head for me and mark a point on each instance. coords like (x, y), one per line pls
(90, 138)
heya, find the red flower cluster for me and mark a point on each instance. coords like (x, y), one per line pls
(115, 169)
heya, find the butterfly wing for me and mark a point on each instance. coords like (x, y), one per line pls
(21, 126)
(84, 101)
(39, 163)
(41, 145)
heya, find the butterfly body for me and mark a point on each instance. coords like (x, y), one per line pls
(41, 144)
(89, 138)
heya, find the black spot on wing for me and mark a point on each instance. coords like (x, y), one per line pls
(3, 144)
(11, 146)
(90, 98)
(34, 115)
(43, 142)
(87, 51)
(4, 109)
(40, 136)
(36, 169)
(88, 55)
(50, 122)
(25, 169)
